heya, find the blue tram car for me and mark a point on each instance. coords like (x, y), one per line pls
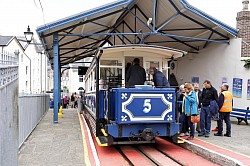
(120, 115)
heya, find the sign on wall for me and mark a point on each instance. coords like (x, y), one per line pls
(195, 80)
(248, 89)
(237, 87)
(224, 80)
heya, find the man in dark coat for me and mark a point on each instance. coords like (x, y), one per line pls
(209, 96)
(136, 75)
(159, 79)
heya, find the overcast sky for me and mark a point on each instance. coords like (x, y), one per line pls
(16, 15)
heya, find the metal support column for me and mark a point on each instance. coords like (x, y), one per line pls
(56, 77)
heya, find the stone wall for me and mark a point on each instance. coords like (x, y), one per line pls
(243, 25)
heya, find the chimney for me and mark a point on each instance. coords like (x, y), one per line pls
(243, 25)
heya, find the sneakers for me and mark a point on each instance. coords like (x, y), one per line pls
(201, 134)
(215, 129)
(206, 135)
(187, 134)
(217, 134)
(190, 138)
(182, 134)
(199, 131)
(227, 135)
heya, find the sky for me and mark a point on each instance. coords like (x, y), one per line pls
(16, 15)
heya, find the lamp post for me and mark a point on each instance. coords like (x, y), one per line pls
(28, 36)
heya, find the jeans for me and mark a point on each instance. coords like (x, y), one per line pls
(224, 116)
(184, 123)
(191, 125)
(205, 121)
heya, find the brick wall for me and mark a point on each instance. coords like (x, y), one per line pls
(243, 24)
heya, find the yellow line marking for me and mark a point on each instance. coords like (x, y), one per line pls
(99, 142)
(104, 133)
(86, 155)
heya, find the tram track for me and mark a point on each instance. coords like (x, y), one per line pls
(147, 154)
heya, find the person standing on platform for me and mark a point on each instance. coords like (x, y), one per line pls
(72, 99)
(189, 107)
(159, 79)
(136, 75)
(198, 97)
(225, 104)
(209, 96)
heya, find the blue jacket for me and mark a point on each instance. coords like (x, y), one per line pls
(160, 80)
(190, 104)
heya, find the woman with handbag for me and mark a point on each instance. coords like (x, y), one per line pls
(189, 107)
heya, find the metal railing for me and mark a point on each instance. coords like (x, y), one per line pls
(7, 58)
(8, 74)
(32, 108)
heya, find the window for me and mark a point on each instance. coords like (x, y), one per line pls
(26, 70)
(26, 85)
(21, 57)
(80, 78)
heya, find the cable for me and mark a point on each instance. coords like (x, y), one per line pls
(42, 11)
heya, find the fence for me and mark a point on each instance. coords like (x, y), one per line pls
(8, 115)
(8, 58)
(31, 110)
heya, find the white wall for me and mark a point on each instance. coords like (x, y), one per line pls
(213, 63)
(74, 83)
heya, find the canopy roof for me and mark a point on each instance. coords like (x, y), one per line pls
(168, 23)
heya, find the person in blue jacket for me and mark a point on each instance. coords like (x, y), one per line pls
(189, 107)
(159, 79)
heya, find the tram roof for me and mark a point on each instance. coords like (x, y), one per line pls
(168, 23)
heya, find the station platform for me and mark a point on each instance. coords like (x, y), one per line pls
(69, 143)
(54, 144)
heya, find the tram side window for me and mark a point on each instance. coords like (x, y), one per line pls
(110, 77)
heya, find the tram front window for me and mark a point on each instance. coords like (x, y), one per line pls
(110, 78)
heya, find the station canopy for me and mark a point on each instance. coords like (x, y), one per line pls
(168, 23)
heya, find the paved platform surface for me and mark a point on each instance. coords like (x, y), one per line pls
(239, 142)
(222, 150)
(54, 144)
(62, 144)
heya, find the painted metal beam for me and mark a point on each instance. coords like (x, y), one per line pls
(205, 45)
(154, 15)
(87, 45)
(93, 22)
(86, 14)
(76, 40)
(197, 22)
(123, 36)
(145, 24)
(146, 33)
(84, 22)
(193, 38)
(57, 82)
(168, 21)
(183, 29)
(131, 30)
(84, 52)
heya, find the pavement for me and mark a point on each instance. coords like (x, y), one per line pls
(239, 142)
(229, 151)
(54, 144)
(65, 144)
